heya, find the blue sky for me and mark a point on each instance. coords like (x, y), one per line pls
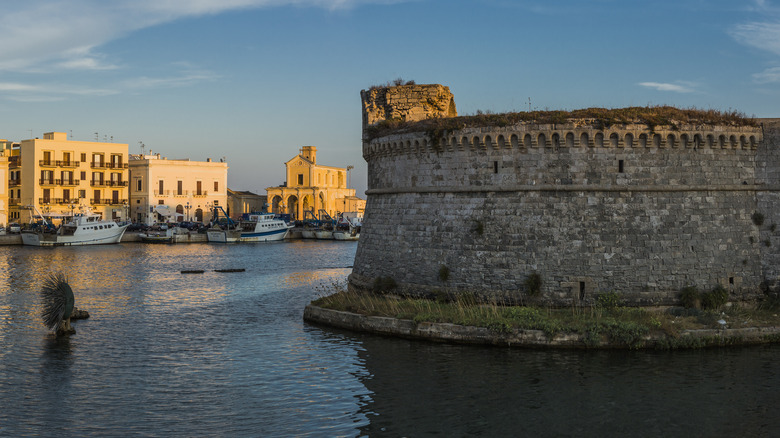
(253, 80)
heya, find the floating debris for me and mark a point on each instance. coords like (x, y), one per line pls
(194, 271)
(230, 270)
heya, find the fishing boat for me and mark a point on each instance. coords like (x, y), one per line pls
(262, 227)
(223, 230)
(86, 228)
(170, 235)
(348, 227)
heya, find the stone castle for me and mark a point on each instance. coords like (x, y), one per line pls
(559, 213)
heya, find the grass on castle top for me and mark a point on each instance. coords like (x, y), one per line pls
(652, 116)
(619, 324)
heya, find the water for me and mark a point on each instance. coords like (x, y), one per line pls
(227, 354)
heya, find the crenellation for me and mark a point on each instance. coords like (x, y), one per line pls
(640, 210)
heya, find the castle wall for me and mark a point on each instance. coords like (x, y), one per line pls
(626, 209)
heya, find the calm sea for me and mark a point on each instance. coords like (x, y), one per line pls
(227, 354)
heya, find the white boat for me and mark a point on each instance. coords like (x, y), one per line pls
(171, 235)
(224, 230)
(308, 233)
(220, 235)
(351, 234)
(82, 229)
(262, 228)
(348, 227)
(324, 234)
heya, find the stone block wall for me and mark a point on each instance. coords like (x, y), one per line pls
(629, 209)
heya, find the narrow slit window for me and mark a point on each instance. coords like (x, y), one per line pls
(620, 166)
(582, 290)
(495, 167)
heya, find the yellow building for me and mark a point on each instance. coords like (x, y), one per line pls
(240, 203)
(164, 190)
(6, 148)
(57, 176)
(312, 187)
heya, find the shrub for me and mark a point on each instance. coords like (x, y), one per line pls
(716, 298)
(758, 218)
(609, 300)
(444, 273)
(533, 283)
(384, 284)
(690, 297)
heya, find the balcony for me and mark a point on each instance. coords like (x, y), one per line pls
(115, 201)
(97, 183)
(14, 183)
(68, 163)
(94, 165)
(117, 183)
(47, 163)
(14, 201)
(47, 181)
(116, 166)
(181, 193)
(14, 162)
(68, 182)
(162, 193)
(202, 194)
(98, 201)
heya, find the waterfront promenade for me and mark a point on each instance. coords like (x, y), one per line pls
(16, 239)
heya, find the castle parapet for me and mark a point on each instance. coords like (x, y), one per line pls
(587, 207)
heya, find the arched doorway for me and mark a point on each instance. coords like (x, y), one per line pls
(275, 207)
(292, 206)
(199, 215)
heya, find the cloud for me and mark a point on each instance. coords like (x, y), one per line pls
(764, 36)
(58, 33)
(767, 76)
(680, 87)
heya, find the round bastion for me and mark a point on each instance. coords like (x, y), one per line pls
(559, 213)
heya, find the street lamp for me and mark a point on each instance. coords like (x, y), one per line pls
(188, 207)
(127, 210)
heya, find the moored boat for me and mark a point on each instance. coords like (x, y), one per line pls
(81, 229)
(262, 228)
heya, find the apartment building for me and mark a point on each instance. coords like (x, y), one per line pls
(175, 190)
(57, 177)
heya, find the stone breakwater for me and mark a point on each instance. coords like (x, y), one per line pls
(454, 333)
(639, 210)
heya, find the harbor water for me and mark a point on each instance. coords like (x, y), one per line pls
(227, 354)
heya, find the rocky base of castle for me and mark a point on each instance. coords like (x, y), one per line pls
(453, 333)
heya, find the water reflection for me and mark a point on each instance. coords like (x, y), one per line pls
(500, 392)
(227, 354)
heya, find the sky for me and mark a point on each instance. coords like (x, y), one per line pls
(254, 80)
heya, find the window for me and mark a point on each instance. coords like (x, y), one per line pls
(160, 187)
(300, 179)
(161, 202)
(66, 195)
(179, 187)
(83, 175)
(82, 194)
(198, 190)
(83, 157)
(216, 186)
(620, 166)
(139, 185)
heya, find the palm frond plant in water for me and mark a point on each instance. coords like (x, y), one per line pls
(57, 302)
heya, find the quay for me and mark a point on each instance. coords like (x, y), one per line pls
(16, 239)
